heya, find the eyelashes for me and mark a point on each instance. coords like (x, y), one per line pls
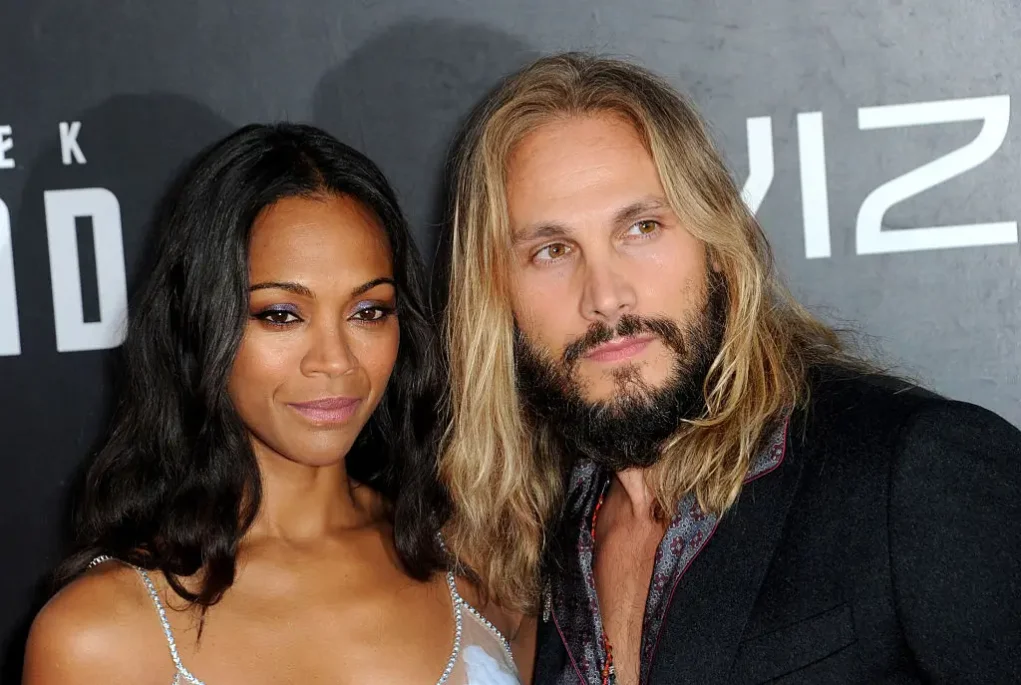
(278, 316)
(551, 253)
(374, 314)
(284, 317)
(643, 228)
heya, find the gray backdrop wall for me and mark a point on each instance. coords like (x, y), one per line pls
(877, 139)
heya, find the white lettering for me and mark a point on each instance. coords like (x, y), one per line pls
(6, 143)
(10, 337)
(69, 142)
(994, 112)
(62, 207)
(815, 199)
(760, 162)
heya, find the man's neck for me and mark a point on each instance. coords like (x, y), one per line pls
(638, 501)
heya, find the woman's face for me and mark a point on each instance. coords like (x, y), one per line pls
(322, 335)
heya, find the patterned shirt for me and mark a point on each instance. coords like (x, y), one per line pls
(572, 598)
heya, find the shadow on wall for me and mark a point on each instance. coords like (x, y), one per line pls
(401, 96)
(133, 144)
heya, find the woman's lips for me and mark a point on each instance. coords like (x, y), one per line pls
(328, 409)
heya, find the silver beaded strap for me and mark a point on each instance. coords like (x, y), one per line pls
(463, 603)
(504, 642)
(460, 602)
(458, 630)
(101, 559)
(182, 672)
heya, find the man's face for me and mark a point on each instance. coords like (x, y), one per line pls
(610, 292)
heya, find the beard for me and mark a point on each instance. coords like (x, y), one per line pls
(628, 429)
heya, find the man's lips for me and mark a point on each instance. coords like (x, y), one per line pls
(328, 409)
(620, 348)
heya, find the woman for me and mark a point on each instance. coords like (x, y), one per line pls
(265, 508)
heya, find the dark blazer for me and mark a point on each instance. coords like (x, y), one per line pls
(886, 548)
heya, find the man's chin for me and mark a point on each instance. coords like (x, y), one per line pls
(631, 380)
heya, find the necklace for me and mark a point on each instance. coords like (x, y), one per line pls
(607, 673)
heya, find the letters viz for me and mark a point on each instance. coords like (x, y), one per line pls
(992, 111)
(63, 207)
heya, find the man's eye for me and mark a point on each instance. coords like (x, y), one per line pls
(644, 227)
(552, 252)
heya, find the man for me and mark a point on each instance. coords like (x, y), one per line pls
(727, 494)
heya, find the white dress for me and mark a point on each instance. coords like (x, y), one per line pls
(481, 655)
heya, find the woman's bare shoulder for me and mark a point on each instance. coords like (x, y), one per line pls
(101, 627)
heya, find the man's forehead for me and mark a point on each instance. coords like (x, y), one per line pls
(568, 169)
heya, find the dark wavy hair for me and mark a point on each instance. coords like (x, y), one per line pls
(176, 486)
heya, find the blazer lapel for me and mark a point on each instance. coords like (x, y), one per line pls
(713, 599)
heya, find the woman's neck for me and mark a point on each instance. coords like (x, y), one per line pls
(302, 502)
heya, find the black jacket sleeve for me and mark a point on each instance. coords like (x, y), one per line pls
(955, 543)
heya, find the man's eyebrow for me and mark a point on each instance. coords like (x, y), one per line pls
(542, 231)
(635, 210)
(626, 215)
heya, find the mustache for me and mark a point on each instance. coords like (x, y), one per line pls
(629, 325)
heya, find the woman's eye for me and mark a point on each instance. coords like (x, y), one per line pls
(552, 252)
(373, 314)
(645, 227)
(278, 317)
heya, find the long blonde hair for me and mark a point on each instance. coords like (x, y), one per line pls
(504, 474)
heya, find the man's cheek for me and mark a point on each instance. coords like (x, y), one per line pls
(530, 325)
